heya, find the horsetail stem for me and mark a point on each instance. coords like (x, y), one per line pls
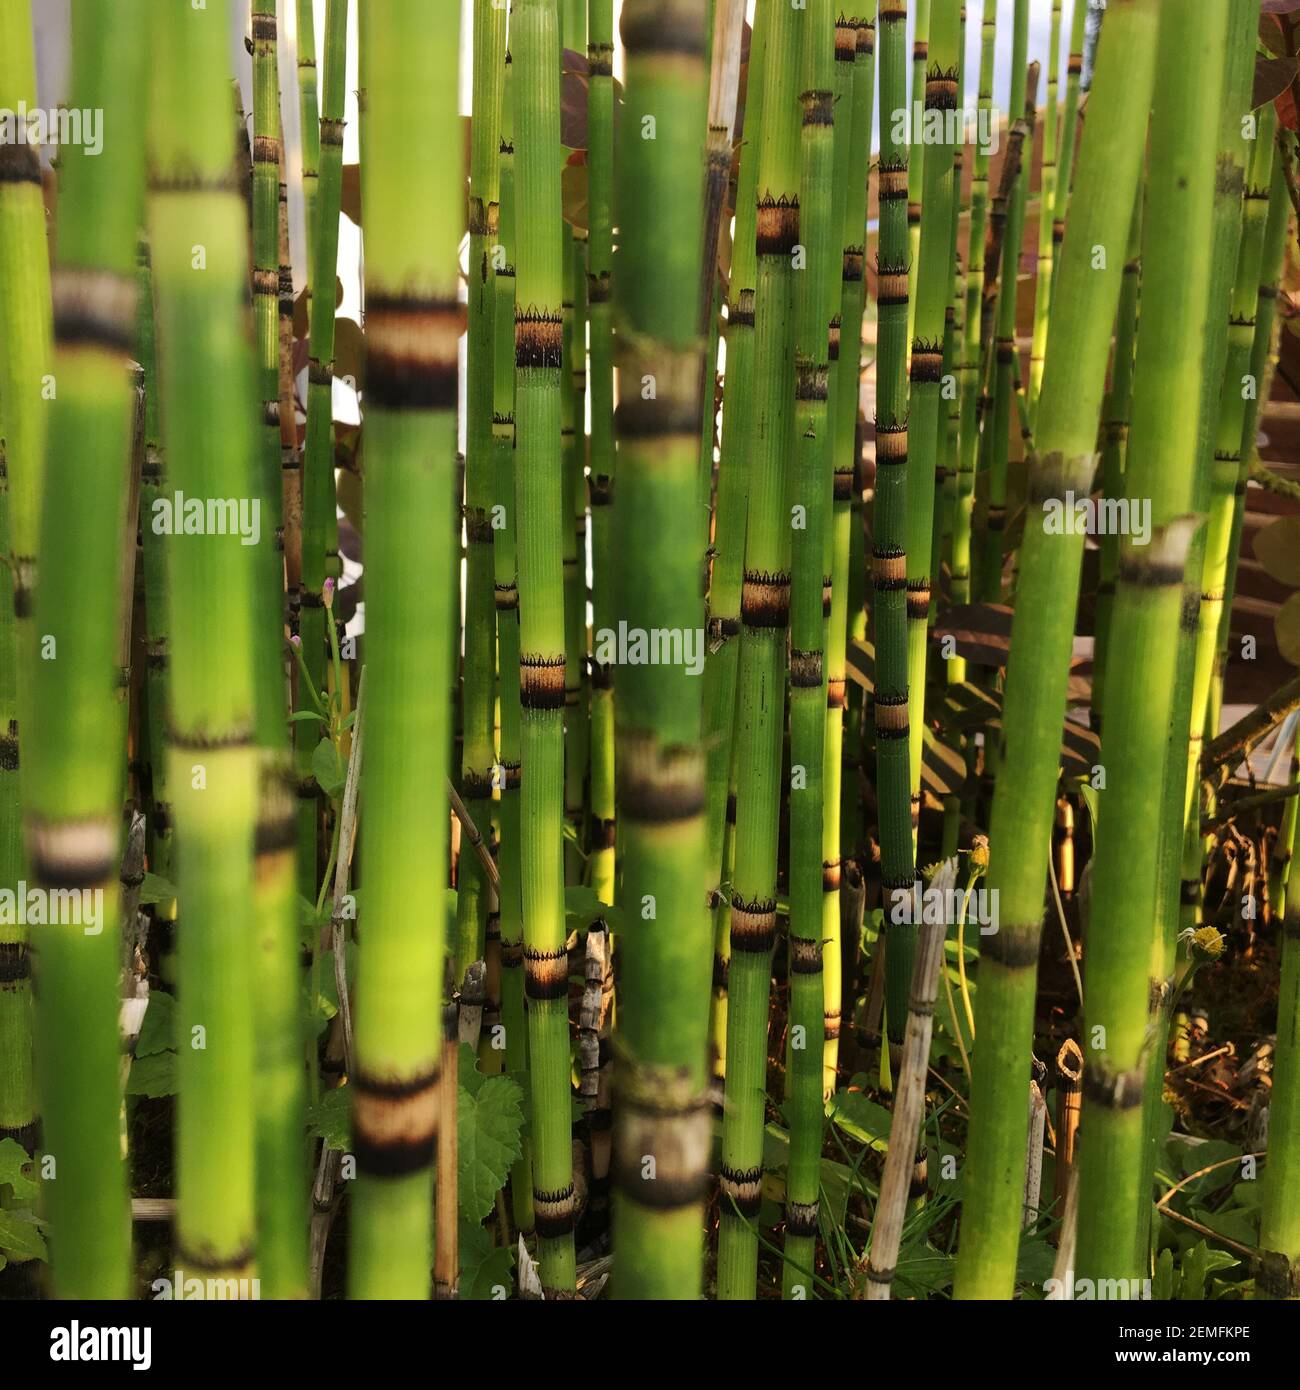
(765, 617)
(810, 488)
(539, 534)
(412, 210)
(889, 541)
(661, 1132)
(1034, 703)
(72, 784)
(477, 705)
(198, 239)
(1144, 632)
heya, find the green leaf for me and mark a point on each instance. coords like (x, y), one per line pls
(20, 1236)
(482, 1264)
(328, 767)
(862, 1118)
(583, 904)
(489, 1122)
(156, 889)
(13, 1160)
(330, 1119)
(153, 1076)
(298, 716)
(1162, 1286)
(158, 1031)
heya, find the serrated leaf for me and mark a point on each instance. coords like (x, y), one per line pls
(489, 1122)
(482, 1264)
(13, 1159)
(158, 1031)
(152, 1076)
(20, 1236)
(330, 1119)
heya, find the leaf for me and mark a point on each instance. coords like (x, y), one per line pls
(153, 1076)
(582, 904)
(156, 889)
(330, 1119)
(862, 1118)
(1162, 1286)
(1279, 6)
(328, 767)
(158, 1032)
(482, 1264)
(20, 1236)
(1286, 628)
(489, 1122)
(1277, 548)
(1272, 77)
(13, 1160)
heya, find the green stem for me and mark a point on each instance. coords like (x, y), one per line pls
(412, 208)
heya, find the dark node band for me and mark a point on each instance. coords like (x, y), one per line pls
(546, 973)
(541, 682)
(411, 345)
(539, 339)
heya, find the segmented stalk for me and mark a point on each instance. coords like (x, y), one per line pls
(722, 657)
(25, 356)
(477, 706)
(540, 527)
(1069, 131)
(765, 617)
(853, 136)
(934, 294)
(1000, 353)
(504, 554)
(1047, 184)
(1029, 752)
(662, 1119)
(889, 536)
(1114, 447)
(1224, 344)
(600, 184)
(318, 520)
(412, 205)
(281, 1185)
(810, 503)
(973, 346)
(1144, 631)
(921, 13)
(308, 126)
(72, 773)
(196, 211)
